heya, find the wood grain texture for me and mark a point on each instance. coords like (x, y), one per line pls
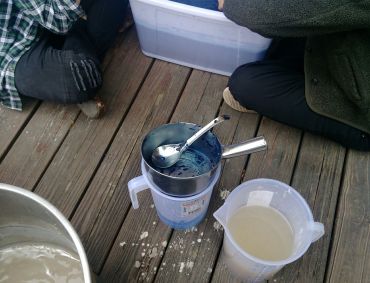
(277, 162)
(70, 171)
(145, 219)
(83, 167)
(104, 207)
(317, 178)
(31, 153)
(12, 122)
(199, 247)
(350, 253)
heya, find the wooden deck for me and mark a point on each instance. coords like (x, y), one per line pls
(82, 166)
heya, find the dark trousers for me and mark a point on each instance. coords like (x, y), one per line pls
(274, 87)
(66, 69)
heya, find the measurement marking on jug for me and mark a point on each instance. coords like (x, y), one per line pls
(193, 207)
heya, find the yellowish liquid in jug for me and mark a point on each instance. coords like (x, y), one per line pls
(35, 262)
(262, 232)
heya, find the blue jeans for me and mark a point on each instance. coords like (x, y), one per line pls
(66, 69)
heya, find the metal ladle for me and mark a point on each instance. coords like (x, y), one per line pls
(167, 155)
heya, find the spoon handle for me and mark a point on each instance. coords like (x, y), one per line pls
(203, 130)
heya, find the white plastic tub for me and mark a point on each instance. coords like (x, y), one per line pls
(195, 37)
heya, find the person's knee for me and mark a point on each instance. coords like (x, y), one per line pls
(84, 78)
(244, 83)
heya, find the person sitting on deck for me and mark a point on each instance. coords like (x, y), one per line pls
(316, 73)
(51, 50)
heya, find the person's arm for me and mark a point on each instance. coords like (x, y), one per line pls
(292, 18)
(54, 15)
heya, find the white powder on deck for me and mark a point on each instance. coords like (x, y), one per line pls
(122, 244)
(209, 270)
(224, 194)
(217, 226)
(182, 265)
(144, 235)
(137, 264)
(153, 252)
(189, 265)
(164, 244)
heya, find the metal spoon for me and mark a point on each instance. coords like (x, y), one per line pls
(167, 155)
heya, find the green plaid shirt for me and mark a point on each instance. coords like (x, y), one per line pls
(21, 23)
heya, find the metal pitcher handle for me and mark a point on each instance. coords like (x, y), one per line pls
(247, 147)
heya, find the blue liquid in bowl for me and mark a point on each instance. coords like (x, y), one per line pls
(191, 163)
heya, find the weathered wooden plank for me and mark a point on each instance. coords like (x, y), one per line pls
(36, 145)
(196, 257)
(12, 122)
(201, 95)
(40, 139)
(104, 207)
(277, 163)
(317, 177)
(70, 171)
(350, 253)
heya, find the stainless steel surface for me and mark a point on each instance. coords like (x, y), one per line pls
(209, 145)
(24, 216)
(247, 147)
(167, 155)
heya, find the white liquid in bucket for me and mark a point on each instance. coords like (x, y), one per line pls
(262, 232)
(36, 262)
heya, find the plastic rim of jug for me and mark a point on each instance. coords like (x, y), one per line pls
(316, 228)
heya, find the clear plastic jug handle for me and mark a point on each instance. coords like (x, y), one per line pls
(135, 186)
(220, 214)
(318, 230)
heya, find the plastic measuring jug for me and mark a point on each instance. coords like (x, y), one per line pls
(176, 212)
(277, 195)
